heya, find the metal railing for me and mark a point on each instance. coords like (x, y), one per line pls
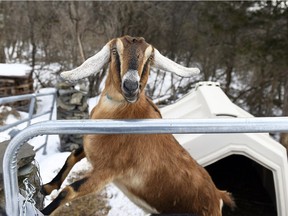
(153, 126)
(32, 98)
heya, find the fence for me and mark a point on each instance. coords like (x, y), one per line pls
(154, 126)
(32, 98)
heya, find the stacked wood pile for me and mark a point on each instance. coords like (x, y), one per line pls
(17, 85)
(71, 104)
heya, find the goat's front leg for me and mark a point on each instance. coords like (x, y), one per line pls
(73, 158)
(87, 185)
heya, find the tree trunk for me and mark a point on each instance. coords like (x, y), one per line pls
(2, 52)
(284, 136)
(228, 73)
(31, 6)
(75, 18)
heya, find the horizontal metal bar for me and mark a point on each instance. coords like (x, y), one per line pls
(154, 126)
(11, 99)
(6, 127)
(147, 126)
(41, 114)
(26, 97)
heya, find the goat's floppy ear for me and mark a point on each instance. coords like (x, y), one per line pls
(91, 66)
(166, 64)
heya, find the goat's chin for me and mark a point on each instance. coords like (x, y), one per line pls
(131, 98)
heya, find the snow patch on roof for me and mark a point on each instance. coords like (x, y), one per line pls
(14, 70)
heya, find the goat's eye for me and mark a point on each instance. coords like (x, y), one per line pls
(151, 58)
(114, 51)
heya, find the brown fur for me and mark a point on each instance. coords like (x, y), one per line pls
(154, 171)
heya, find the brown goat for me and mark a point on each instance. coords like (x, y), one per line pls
(154, 171)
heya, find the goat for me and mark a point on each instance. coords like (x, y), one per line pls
(153, 171)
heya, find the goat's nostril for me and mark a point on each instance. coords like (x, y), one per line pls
(130, 86)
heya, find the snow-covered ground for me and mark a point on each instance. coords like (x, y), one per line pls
(53, 160)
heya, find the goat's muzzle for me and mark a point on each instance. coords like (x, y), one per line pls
(130, 86)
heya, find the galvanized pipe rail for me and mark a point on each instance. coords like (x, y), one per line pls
(32, 97)
(151, 126)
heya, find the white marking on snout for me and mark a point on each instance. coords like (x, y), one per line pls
(131, 75)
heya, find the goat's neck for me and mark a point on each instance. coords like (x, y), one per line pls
(113, 96)
(111, 90)
(112, 105)
(114, 100)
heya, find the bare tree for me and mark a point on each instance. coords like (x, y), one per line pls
(284, 136)
(2, 52)
(249, 46)
(75, 18)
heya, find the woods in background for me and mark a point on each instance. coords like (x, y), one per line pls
(243, 45)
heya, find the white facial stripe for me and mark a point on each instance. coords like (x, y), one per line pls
(120, 48)
(147, 53)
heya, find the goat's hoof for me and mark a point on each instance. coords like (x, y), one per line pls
(44, 191)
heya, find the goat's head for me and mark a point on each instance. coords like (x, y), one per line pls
(130, 59)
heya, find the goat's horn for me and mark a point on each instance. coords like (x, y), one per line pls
(91, 66)
(166, 64)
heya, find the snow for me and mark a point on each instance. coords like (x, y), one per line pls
(52, 162)
(14, 70)
(92, 102)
